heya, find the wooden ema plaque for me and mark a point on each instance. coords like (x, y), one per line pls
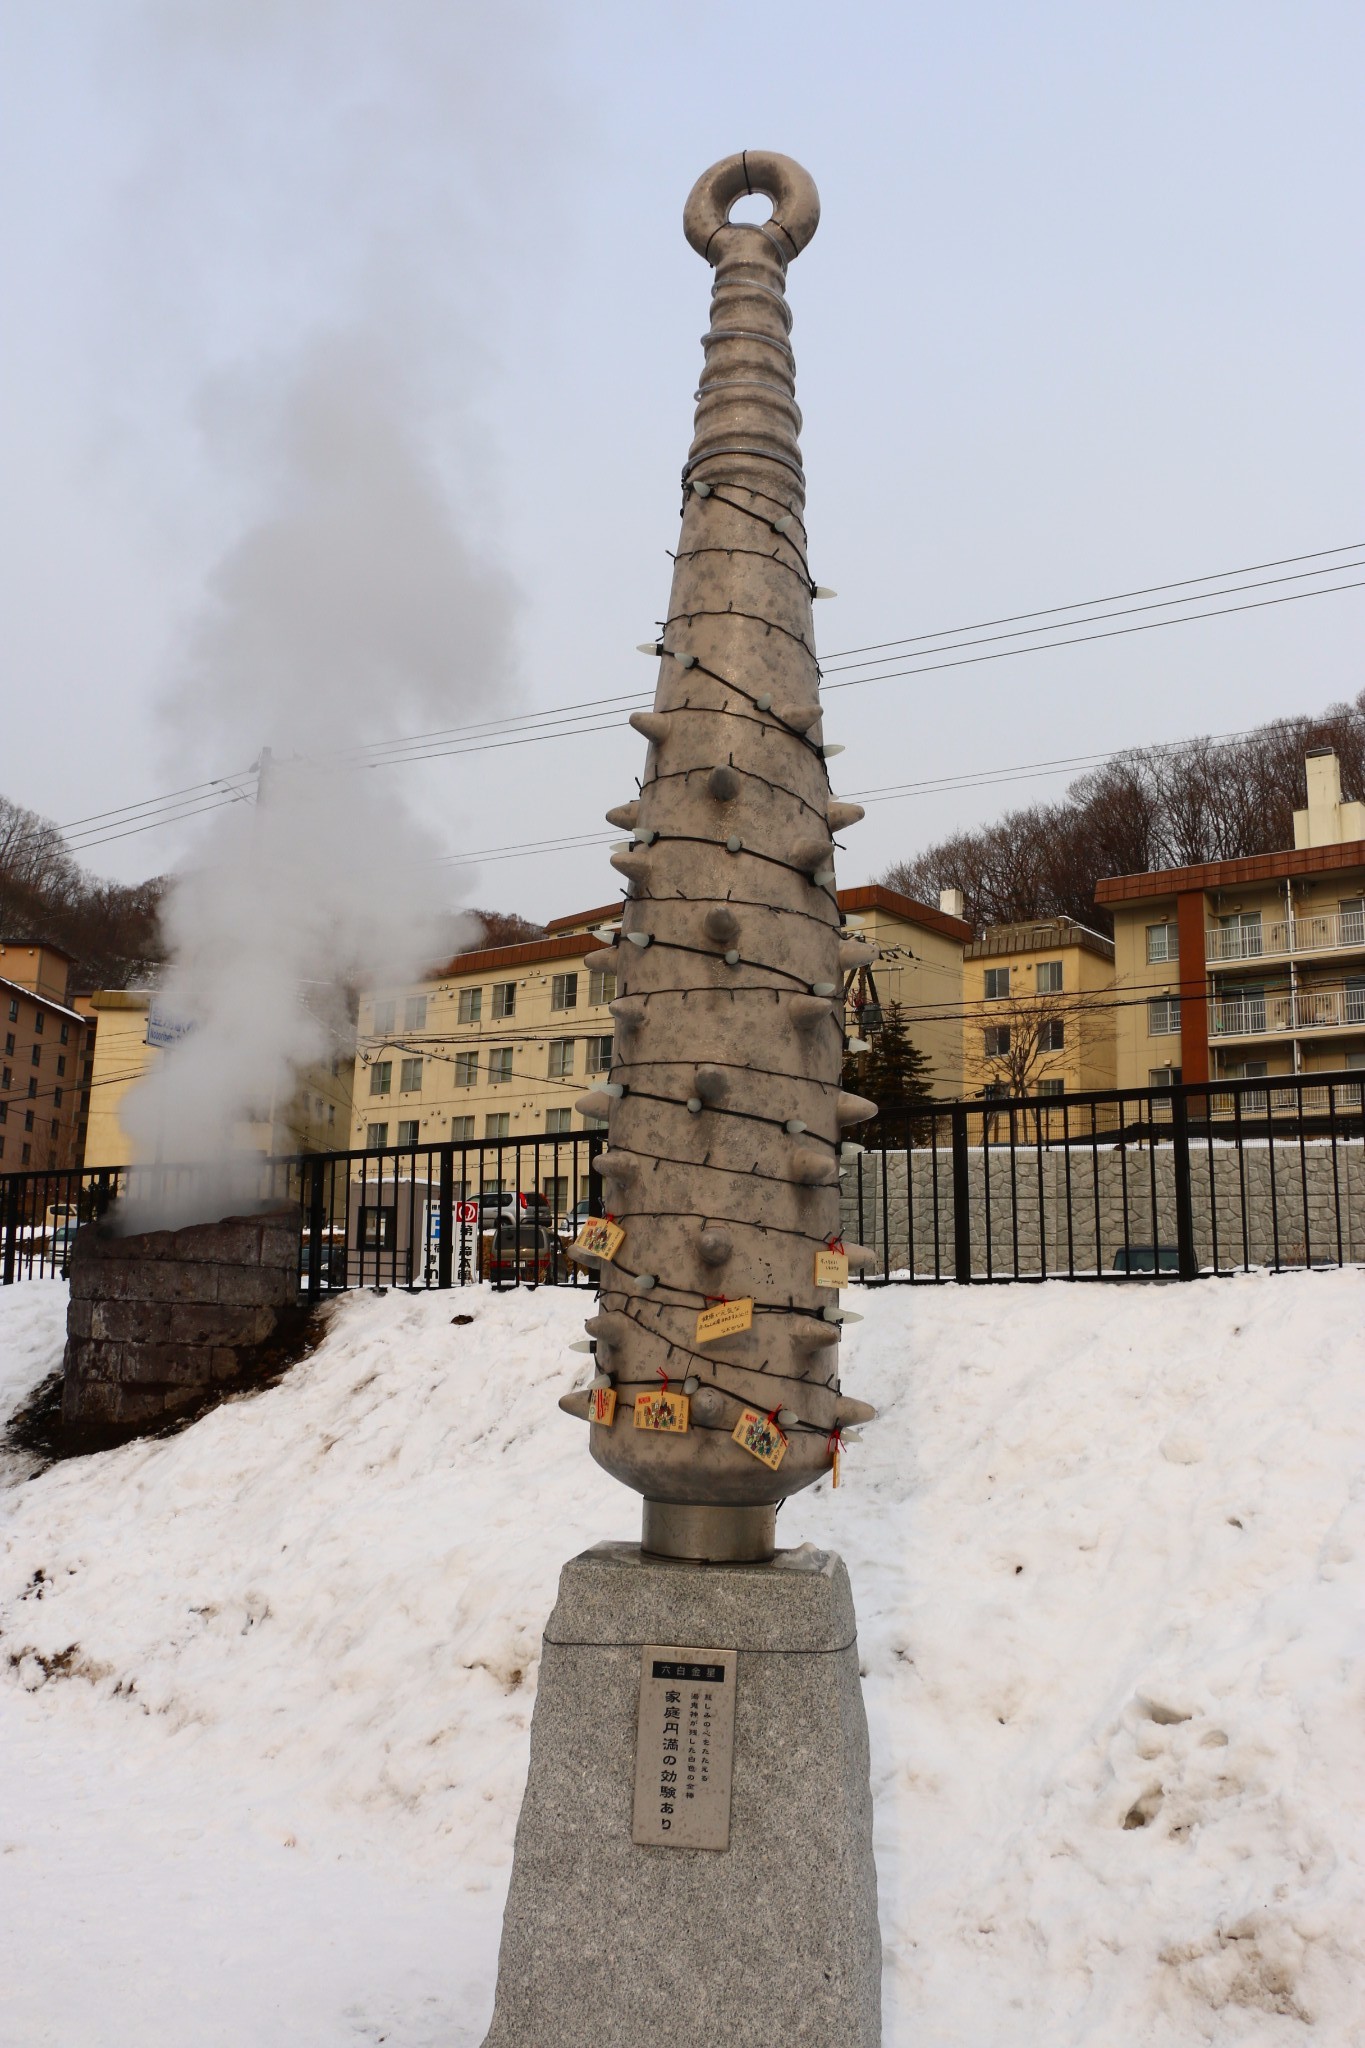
(725, 1319)
(599, 1238)
(831, 1269)
(685, 1748)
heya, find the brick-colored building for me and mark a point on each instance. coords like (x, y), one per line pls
(1247, 967)
(44, 1076)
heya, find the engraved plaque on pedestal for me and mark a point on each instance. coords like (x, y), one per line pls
(685, 1748)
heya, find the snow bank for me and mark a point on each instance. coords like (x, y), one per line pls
(265, 1687)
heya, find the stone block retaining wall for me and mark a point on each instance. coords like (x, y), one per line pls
(157, 1320)
(1268, 1209)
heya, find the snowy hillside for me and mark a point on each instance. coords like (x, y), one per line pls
(265, 1687)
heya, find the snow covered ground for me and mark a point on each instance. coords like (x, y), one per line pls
(265, 1687)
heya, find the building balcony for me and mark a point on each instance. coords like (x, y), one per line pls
(1276, 1012)
(1327, 931)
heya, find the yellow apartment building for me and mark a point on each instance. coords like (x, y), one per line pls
(43, 1077)
(1241, 968)
(505, 1040)
(316, 1117)
(1038, 1009)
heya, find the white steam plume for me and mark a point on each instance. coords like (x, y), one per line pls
(352, 609)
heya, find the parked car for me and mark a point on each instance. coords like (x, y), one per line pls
(507, 1205)
(572, 1221)
(512, 1251)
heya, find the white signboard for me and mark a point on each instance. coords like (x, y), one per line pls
(685, 1747)
(164, 1027)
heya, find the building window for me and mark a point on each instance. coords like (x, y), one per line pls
(1163, 1077)
(504, 999)
(54, 1127)
(466, 1069)
(39, 1022)
(32, 1086)
(1051, 1035)
(599, 1055)
(56, 1098)
(65, 1033)
(377, 1226)
(564, 992)
(1049, 981)
(36, 1054)
(376, 1137)
(500, 1064)
(470, 1006)
(557, 1120)
(997, 984)
(381, 1077)
(4, 1112)
(561, 1058)
(1050, 1087)
(594, 1123)
(410, 1077)
(1163, 1017)
(556, 1192)
(1163, 941)
(13, 1012)
(996, 1038)
(497, 1126)
(9, 1041)
(61, 1063)
(461, 1129)
(407, 1131)
(26, 1155)
(602, 985)
(5, 1077)
(383, 1019)
(415, 1013)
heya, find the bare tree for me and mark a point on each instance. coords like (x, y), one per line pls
(1027, 1037)
(1155, 807)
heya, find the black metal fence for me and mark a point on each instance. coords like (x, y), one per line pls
(1178, 1181)
(503, 1210)
(1207, 1177)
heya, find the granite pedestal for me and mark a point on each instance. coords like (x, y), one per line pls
(771, 1942)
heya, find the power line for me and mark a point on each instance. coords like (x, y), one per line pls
(1114, 597)
(894, 792)
(924, 668)
(587, 716)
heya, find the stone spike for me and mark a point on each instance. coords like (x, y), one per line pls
(808, 1011)
(840, 816)
(627, 815)
(654, 725)
(854, 1109)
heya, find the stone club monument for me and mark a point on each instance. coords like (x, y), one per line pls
(694, 1856)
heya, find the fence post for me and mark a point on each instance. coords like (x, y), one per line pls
(11, 1230)
(445, 1212)
(1187, 1261)
(962, 1198)
(315, 1224)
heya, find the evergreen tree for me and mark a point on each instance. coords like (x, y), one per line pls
(895, 1075)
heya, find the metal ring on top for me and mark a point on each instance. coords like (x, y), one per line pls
(796, 203)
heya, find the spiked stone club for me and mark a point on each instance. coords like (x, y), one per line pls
(725, 1115)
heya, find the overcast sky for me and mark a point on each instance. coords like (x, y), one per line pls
(1083, 314)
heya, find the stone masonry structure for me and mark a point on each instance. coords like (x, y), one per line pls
(160, 1319)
